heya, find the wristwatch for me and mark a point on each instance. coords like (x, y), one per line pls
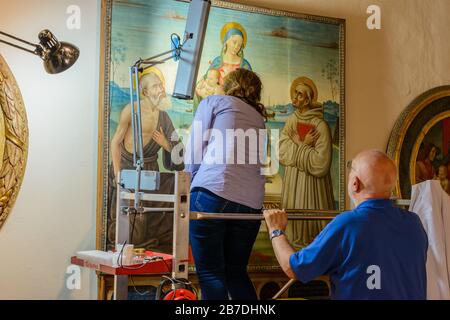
(275, 233)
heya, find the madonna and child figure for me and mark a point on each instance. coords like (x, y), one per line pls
(234, 39)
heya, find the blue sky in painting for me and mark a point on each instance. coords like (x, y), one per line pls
(279, 49)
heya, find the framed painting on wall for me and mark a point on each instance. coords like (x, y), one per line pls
(420, 141)
(289, 51)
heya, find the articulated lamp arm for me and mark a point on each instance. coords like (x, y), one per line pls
(57, 56)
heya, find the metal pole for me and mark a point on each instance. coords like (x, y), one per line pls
(307, 215)
(181, 226)
(139, 122)
(132, 92)
(122, 237)
(149, 60)
(20, 40)
(18, 47)
(139, 147)
(282, 290)
(153, 63)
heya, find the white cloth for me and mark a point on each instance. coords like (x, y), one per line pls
(432, 205)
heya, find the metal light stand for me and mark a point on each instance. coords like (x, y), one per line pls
(136, 123)
(180, 198)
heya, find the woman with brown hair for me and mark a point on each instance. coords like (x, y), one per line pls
(227, 178)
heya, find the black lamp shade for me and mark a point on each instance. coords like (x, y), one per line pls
(61, 59)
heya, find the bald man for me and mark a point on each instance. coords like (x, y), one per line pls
(375, 251)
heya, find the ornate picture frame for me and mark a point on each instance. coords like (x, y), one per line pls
(420, 140)
(292, 45)
(13, 140)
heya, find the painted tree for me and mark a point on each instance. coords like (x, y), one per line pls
(117, 54)
(331, 73)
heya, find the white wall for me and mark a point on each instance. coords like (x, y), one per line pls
(54, 215)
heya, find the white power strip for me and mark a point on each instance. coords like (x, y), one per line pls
(98, 257)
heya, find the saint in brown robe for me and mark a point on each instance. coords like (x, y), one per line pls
(152, 231)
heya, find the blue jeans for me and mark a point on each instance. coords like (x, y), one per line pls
(221, 248)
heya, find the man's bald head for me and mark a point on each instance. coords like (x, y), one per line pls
(373, 175)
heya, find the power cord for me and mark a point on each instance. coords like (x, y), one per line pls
(183, 282)
(136, 290)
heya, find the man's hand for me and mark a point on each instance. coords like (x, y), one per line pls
(311, 137)
(294, 136)
(275, 219)
(160, 138)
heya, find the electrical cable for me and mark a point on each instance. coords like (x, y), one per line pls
(174, 281)
(136, 290)
(176, 46)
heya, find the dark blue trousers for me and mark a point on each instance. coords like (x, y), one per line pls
(221, 248)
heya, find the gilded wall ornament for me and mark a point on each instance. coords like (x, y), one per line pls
(13, 140)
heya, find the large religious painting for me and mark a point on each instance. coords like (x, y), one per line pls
(300, 60)
(420, 141)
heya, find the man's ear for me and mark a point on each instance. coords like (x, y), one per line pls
(145, 92)
(356, 184)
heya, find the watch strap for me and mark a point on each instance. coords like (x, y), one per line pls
(276, 233)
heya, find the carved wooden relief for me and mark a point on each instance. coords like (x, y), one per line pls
(13, 140)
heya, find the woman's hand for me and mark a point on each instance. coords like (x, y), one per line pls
(160, 138)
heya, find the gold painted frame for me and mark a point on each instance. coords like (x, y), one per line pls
(409, 132)
(13, 140)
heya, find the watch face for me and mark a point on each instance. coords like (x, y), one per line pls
(276, 233)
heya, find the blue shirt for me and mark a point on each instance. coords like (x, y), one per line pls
(376, 251)
(221, 162)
